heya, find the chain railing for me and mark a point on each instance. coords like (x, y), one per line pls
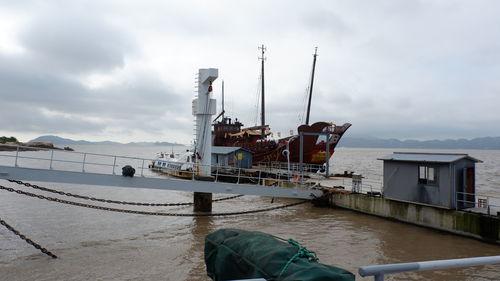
(149, 204)
(29, 241)
(151, 213)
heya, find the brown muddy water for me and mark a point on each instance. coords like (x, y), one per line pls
(99, 245)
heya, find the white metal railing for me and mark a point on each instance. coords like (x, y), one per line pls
(378, 271)
(55, 159)
(490, 204)
(238, 175)
(367, 186)
(292, 166)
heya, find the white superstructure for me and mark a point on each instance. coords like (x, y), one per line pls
(204, 106)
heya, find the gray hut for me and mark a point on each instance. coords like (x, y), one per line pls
(231, 156)
(440, 179)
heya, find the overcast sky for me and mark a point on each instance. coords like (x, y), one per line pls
(125, 70)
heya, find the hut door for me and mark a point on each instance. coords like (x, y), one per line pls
(469, 187)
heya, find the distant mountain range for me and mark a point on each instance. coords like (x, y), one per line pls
(68, 142)
(476, 143)
(346, 141)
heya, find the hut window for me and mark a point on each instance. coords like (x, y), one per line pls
(427, 175)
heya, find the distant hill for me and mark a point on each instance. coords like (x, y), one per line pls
(476, 143)
(346, 141)
(68, 142)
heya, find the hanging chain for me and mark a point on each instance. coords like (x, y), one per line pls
(111, 201)
(10, 189)
(29, 241)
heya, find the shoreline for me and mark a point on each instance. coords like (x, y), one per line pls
(31, 146)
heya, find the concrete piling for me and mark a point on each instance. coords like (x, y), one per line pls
(202, 202)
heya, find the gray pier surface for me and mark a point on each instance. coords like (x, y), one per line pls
(47, 175)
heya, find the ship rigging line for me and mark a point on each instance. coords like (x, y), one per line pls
(137, 212)
(113, 201)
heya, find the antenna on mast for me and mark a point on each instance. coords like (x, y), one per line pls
(263, 107)
(311, 87)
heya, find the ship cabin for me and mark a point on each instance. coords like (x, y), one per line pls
(439, 179)
(231, 156)
(227, 132)
(223, 128)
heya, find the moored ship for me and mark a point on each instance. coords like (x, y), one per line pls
(318, 139)
(228, 133)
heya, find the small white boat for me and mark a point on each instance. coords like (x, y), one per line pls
(162, 159)
(177, 165)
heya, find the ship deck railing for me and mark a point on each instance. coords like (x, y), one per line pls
(478, 203)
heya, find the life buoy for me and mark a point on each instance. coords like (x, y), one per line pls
(296, 177)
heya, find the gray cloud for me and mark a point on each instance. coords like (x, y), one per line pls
(36, 101)
(75, 44)
(419, 69)
(31, 118)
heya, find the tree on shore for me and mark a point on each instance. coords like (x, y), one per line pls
(4, 139)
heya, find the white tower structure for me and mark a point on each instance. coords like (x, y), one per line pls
(204, 106)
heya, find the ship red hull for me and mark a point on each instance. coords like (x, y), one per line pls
(314, 146)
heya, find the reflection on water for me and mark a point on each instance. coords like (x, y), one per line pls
(99, 245)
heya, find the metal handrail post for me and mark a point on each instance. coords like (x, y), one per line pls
(260, 176)
(142, 168)
(327, 160)
(301, 155)
(83, 164)
(239, 173)
(216, 173)
(114, 164)
(51, 158)
(17, 154)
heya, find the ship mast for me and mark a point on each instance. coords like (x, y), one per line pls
(311, 87)
(223, 111)
(263, 112)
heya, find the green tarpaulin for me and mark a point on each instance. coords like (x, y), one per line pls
(238, 254)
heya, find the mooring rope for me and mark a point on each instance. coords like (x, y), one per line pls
(301, 253)
(109, 200)
(29, 241)
(10, 189)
